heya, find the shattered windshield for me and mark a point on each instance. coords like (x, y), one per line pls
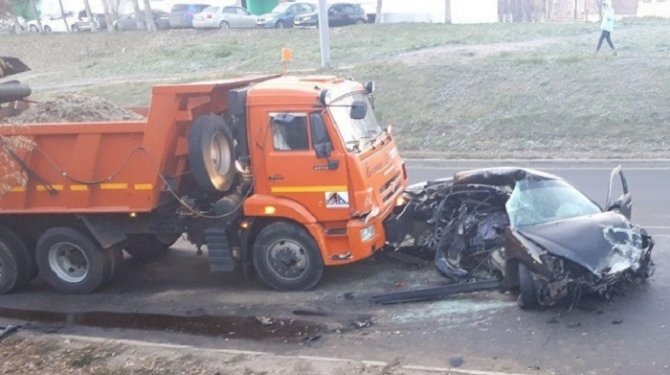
(537, 202)
(356, 134)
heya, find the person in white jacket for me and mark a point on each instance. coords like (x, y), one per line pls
(607, 25)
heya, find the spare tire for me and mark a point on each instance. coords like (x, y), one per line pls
(211, 154)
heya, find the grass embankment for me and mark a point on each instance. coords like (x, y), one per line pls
(502, 90)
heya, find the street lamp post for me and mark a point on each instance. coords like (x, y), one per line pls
(324, 38)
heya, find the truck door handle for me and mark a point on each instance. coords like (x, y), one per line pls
(276, 177)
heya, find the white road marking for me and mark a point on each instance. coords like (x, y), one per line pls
(368, 363)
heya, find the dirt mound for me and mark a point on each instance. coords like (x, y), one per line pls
(74, 107)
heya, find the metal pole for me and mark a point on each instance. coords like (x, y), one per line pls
(324, 37)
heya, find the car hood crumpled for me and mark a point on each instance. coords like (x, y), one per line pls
(604, 243)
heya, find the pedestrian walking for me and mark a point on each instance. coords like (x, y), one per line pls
(607, 26)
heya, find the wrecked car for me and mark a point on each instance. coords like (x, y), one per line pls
(533, 231)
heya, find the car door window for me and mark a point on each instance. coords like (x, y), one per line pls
(229, 10)
(289, 131)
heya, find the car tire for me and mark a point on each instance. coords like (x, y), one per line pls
(211, 154)
(34, 29)
(280, 25)
(148, 247)
(71, 261)
(527, 289)
(224, 25)
(287, 258)
(75, 29)
(47, 29)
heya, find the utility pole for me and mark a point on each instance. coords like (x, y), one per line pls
(324, 37)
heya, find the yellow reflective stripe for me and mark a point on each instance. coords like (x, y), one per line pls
(308, 189)
(118, 186)
(78, 188)
(144, 187)
(17, 190)
(49, 187)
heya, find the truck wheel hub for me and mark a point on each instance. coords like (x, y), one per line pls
(287, 259)
(68, 262)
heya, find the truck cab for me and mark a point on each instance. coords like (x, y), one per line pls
(321, 165)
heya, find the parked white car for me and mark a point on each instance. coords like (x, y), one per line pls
(54, 23)
(224, 18)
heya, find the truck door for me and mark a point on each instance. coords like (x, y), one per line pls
(294, 170)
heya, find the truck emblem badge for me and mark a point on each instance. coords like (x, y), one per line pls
(337, 199)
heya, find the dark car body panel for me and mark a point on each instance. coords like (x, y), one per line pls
(181, 15)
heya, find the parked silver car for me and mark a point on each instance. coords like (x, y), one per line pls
(224, 18)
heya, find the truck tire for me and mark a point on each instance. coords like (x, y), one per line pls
(9, 268)
(211, 154)
(25, 266)
(527, 289)
(71, 261)
(148, 247)
(286, 257)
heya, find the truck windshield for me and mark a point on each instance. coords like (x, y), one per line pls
(356, 134)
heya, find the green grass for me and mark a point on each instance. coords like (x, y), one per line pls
(500, 90)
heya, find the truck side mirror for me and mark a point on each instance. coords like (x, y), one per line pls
(359, 109)
(323, 150)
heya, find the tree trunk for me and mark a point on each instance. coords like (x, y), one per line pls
(62, 14)
(148, 16)
(37, 15)
(17, 26)
(108, 17)
(89, 15)
(378, 15)
(138, 15)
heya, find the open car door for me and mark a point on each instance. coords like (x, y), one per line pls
(624, 203)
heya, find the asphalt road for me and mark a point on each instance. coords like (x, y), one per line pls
(630, 335)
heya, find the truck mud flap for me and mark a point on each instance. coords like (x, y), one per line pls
(435, 293)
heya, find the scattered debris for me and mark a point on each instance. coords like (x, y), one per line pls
(10, 329)
(309, 313)
(553, 320)
(73, 107)
(617, 321)
(456, 361)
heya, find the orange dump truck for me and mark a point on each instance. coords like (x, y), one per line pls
(283, 174)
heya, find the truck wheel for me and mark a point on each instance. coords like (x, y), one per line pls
(24, 260)
(211, 154)
(527, 289)
(148, 247)
(10, 267)
(72, 262)
(286, 257)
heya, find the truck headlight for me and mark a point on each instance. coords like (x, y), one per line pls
(367, 233)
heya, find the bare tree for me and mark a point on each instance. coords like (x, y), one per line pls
(33, 8)
(138, 15)
(108, 16)
(89, 15)
(62, 14)
(378, 15)
(148, 16)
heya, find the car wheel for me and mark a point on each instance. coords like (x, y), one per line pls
(71, 261)
(527, 288)
(47, 29)
(75, 28)
(212, 154)
(286, 257)
(280, 25)
(224, 25)
(34, 29)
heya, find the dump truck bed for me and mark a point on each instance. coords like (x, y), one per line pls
(113, 167)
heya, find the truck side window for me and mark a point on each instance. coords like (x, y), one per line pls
(289, 132)
(319, 132)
